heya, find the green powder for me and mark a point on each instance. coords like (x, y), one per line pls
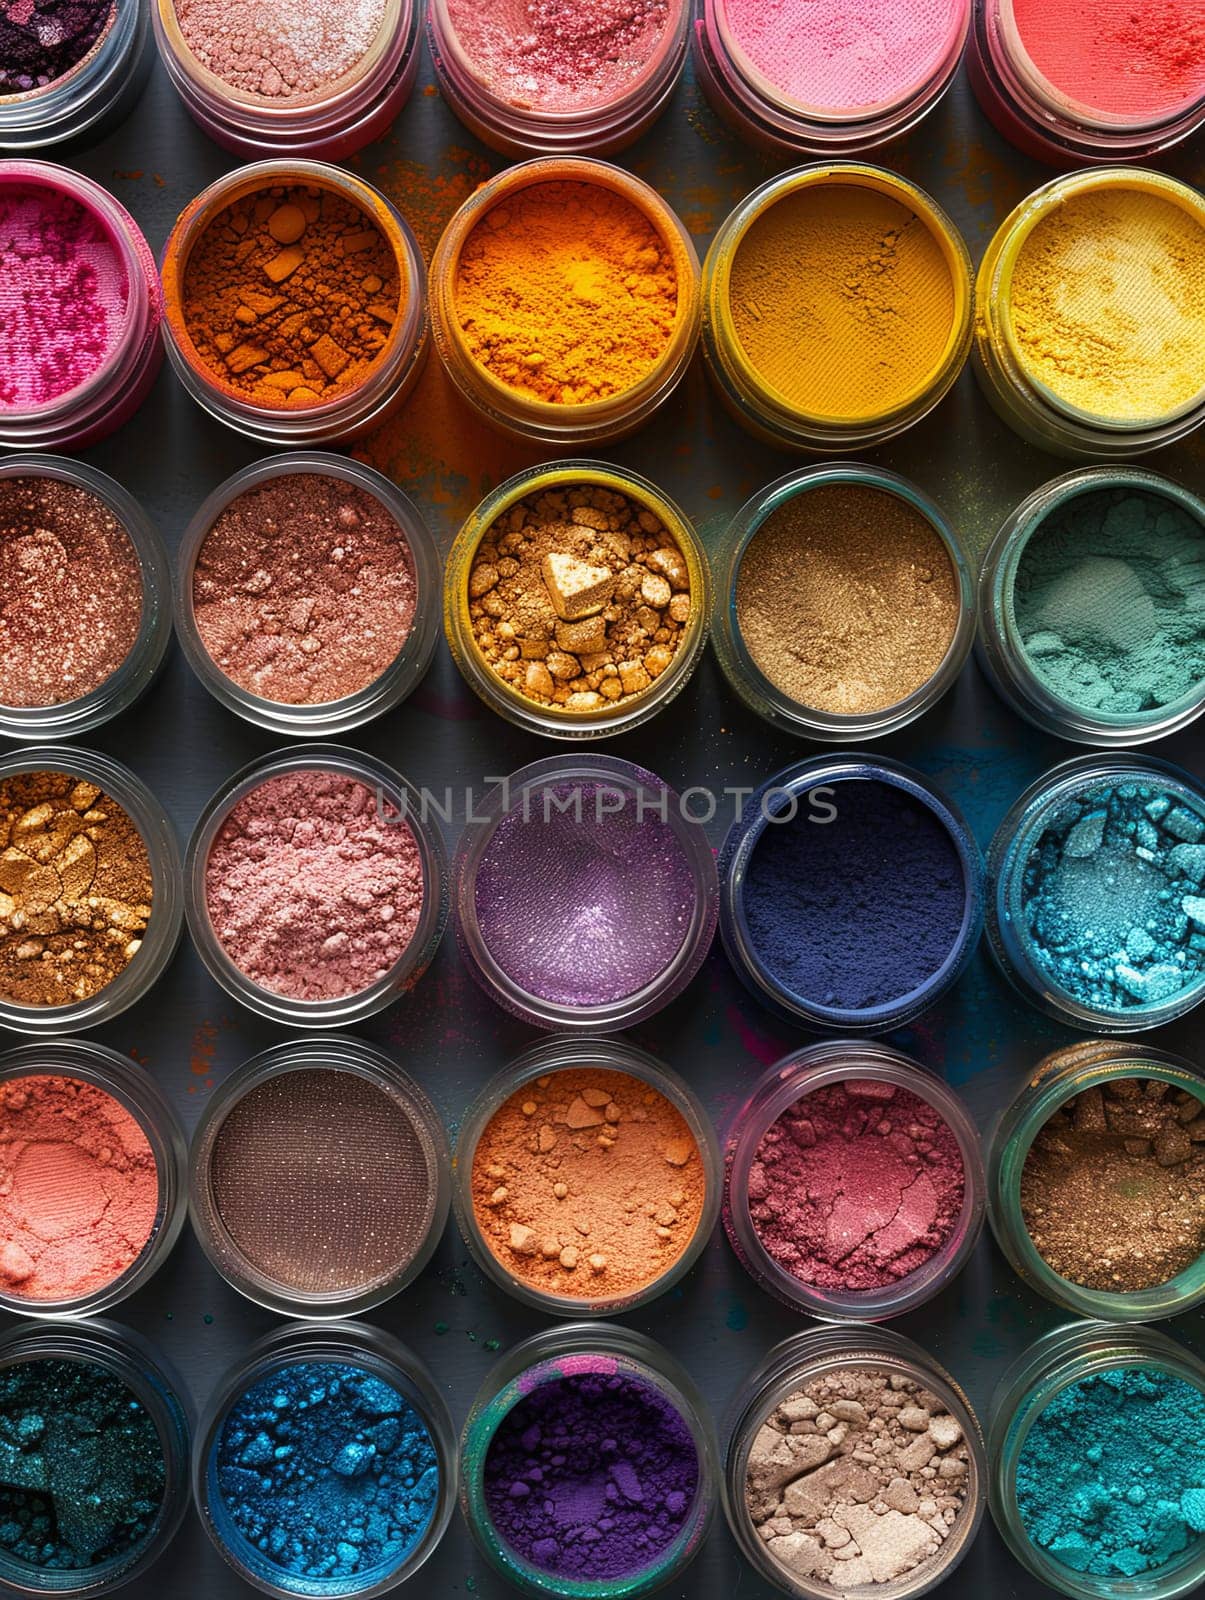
(1109, 602)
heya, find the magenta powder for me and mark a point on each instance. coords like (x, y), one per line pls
(314, 887)
(857, 1185)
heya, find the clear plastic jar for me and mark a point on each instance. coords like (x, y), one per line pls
(409, 666)
(135, 674)
(584, 1055)
(556, 721)
(358, 1347)
(765, 114)
(158, 944)
(520, 127)
(328, 124)
(109, 396)
(567, 426)
(137, 1093)
(1063, 1357)
(90, 98)
(1044, 812)
(743, 672)
(751, 396)
(126, 1356)
(1060, 1077)
(1001, 650)
(594, 784)
(584, 1349)
(394, 797)
(818, 1353)
(337, 1056)
(392, 375)
(785, 1084)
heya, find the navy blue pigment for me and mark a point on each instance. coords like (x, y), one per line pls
(327, 1471)
(857, 912)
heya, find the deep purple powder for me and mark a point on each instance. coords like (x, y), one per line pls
(41, 40)
(591, 1476)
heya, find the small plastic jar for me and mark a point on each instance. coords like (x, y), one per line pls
(572, 801)
(538, 1068)
(364, 1353)
(1102, 422)
(558, 111)
(819, 101)
(396, 802)
(1050, 121)
(810, 1357)
(157, 944)
(113, 382)
(573, 424)
(599, 717)
(122, 1355)
(737, 661)
(1056, 1080)
(809, 793)
(136, 672)
(889, 400)
(404, 673)
(392, 374)
(1002, 650)
(785, 1085)
(1108, 982)
(93, 96)
(137, 1093)
(1061, 1358)
(329, 123)
(278, 1195)
(613, 1356)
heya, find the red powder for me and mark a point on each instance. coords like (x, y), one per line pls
(856, 1186)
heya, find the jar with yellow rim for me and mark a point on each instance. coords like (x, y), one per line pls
(1089, 317)
(836, 307)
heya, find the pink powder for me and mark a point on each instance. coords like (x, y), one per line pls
(79, 1188)
(313, 889)
(280, 49)
(837, 57)
(856, 1186)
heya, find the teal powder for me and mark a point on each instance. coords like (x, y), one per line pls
(1109, 602)
(1111, 1477)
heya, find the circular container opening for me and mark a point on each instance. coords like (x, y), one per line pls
(38, 59)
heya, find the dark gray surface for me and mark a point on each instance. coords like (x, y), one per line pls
(446, 1033)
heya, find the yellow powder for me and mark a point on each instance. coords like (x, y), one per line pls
(843, 301)
(1108, 304)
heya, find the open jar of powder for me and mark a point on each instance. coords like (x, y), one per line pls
(269, 79)
(80, 345)
(85, 598)
(853, 1185)
(526, 344)
(836, 308)
(587, 1178)
(295, 303)
(585, 894)
(844, 604)
(308, 594)
(1116, 249)
(69, 69)
(853, 1430)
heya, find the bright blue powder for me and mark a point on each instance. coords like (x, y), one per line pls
(1111, 1477)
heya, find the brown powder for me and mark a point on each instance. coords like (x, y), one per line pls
(847, 599)
(587, 1184)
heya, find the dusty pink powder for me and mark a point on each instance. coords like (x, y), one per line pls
(314, 889)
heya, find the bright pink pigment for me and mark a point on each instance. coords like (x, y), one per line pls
(314, 890)
(79, 1188)
(837, 57)
(856, 1186)
(1143, 59)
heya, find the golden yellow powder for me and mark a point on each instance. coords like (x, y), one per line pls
(1108, 304)
(843, 301)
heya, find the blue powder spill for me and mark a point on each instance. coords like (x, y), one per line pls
(1111, 1477)
(327, 1471)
